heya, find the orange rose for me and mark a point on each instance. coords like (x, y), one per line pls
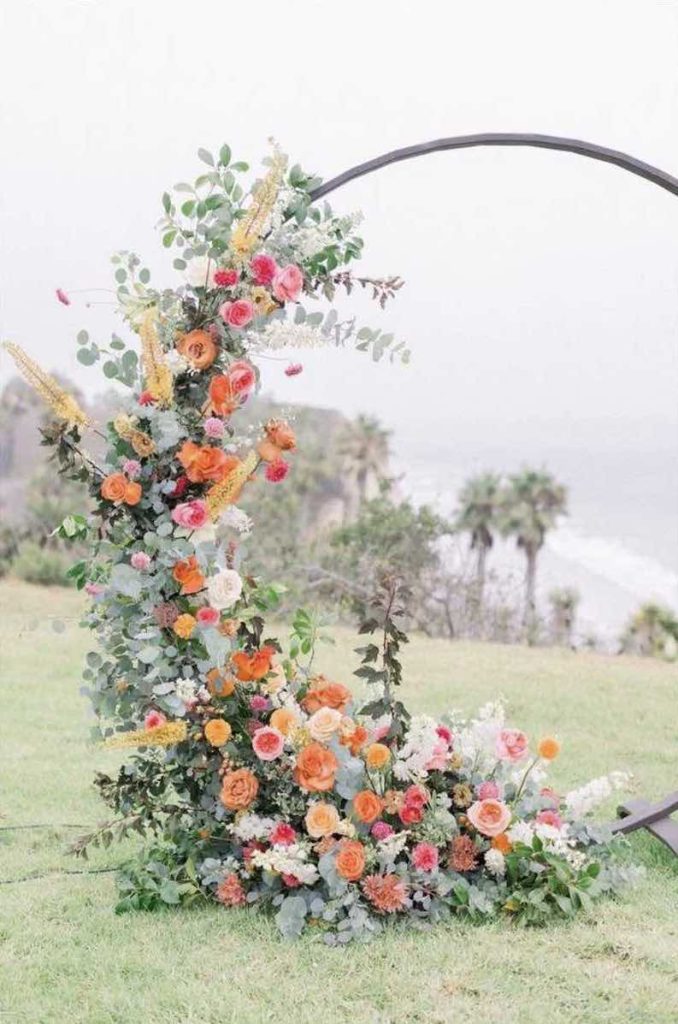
(113, 488)
(203, 463)
(199, 348)
(223, 399)
(239, 789)
(321, 820)
(284, 720)
(188, 575)
(377, 755)
(132, 493)
(280, 433)
(184, 626)
(217, 732)
(350, 861)
(548, 748)
(254, 666)
(220, 682)
(268, 451)
(324, 694)
(316, 767)
(367, 806)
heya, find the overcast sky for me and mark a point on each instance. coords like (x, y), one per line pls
(542, 288)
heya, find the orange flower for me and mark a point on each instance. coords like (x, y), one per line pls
(184, 626)
(355, 739)
(377, 755)
(280, 433)
(548, 748)
(367, 806)
(223, 398)
(324, 694)
(386, 893)
(203, 463)
(198, 348)
(132, 493)
(268, 451)
(229, 627)
(188, 575)
(239, 789)
(217, 732)
(321, 820)
(501, 843)
(350, 861)
(220, 682)
(284, 720)
(118, 489)
(316, 767)
(250, 667)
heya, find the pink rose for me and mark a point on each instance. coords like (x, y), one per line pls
(207, 616)
(154, 719)
(488, 791)
(550, 818)
(140, 560)
(511, 745)
(190, 514)
(439, 758)
(268, 743)
(214, 427)
(410, 815)
(416, 796)
(425, 857)
(131, 468)
(381, 830)
(287, 284)
(242, 376)
(237, 314)
(489, 817)
(264, 268)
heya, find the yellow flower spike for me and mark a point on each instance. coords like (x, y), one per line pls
(254, 224)
(63, 405)
(162, 736)
(224, 493)
(157, 374)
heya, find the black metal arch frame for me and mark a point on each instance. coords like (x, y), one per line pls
(588, 149)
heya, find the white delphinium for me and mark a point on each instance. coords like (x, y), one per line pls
(235, 519)
(419, 748)
(287, 860)
(251, 826)
(286, 334)
(495, 863)
(388, 849)
(476, 740)
(582, 801)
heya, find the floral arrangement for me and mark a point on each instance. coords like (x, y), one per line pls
(258, 780)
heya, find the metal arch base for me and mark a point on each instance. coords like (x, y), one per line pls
(588, 149)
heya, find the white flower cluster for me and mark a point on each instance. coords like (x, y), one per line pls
(418, 749)
(251, 826)
(476, 740)
(186, 690)
(308, 241)
(287, 860)
(582, 801)
(388, 849)
(286, 334)
(495, 863)
(235, 519)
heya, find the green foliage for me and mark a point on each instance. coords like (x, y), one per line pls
(158, 879)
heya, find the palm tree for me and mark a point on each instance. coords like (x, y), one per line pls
(531, 503)
(652, 632)
(477, 515)
(365, 448)
(564, 601)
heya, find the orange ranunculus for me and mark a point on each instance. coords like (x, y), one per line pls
(367, 806)
(184, 626)
(284, 720)
(199, 348)
(325, 694)
(239, 789)
(548, 748)
(316, 768)
(218, 732)
(355, 739)
(321, 820)
(187, 573)
(501, 843)
(350, 861)
(220, 682)
(250, 667)
(204, 463)
(377, 755)
(223, 398)
(280, 433)
(114, 487)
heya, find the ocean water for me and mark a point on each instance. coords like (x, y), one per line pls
(619, 543)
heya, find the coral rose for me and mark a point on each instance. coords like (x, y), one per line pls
(217, 732)
(350, 861)
(184, 626)
(489, 817)
(239, 789)
(203, 463)
(118, 489)
(316, 768)
(367, 806)
(548, 748)
(511, 745)
(324, 694)
(198, 348)
(377, 755)
(287, 284)
(324, 723)
(250, 667)
(188, 575)
(321, 820)
(284, 720)
(220, 682)
(268, 743)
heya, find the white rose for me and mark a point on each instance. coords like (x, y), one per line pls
(200, 272)
(224, 589)
(324, 723)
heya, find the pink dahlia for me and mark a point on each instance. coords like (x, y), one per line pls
(386, 893)
(131, 468)
(230, 892)
(425, 857)
(258, 703)
(214, 427)
(293, 370)
(381, 830)
(140, 560)
(282, 834)
(225, 278)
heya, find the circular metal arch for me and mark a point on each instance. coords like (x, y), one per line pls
(588, 149)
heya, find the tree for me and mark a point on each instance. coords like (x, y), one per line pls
(477, 515)
(364, 447)
(651, 632)
(531, 502)
(564, 601)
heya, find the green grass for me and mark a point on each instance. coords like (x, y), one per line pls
(64, 955)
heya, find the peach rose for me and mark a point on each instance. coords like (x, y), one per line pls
(350, 861)
(287, 284)
(132, 493)
(198, 348)
(220, 682)
(367, 806)
(324, 694)
(316, 767)
(184, 626)
(239, 789)
(284, 720)
(218, 732)
(204, 463)
(268, 451)
(113, 488)
(377, 755)
(324, 723)
(321, 820)
(188, 575)
(489, 817)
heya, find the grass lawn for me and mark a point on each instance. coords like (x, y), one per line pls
(64, 955)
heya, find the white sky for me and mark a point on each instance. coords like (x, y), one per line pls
(541, 287)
